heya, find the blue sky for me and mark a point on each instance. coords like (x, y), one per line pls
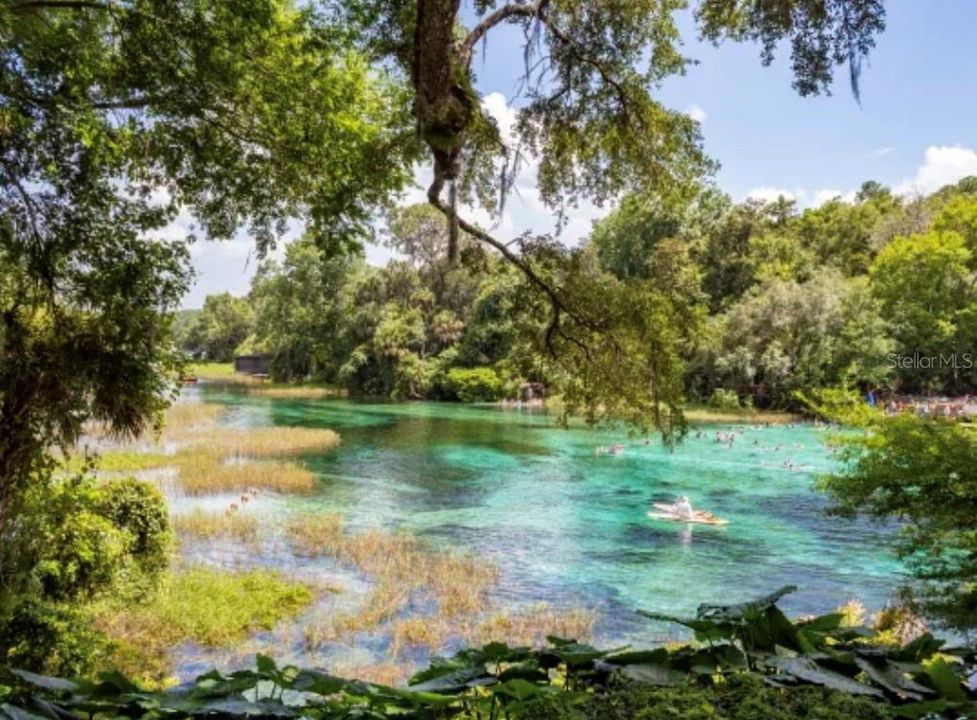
(914, 129)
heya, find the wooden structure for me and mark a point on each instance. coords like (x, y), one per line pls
(252, 364)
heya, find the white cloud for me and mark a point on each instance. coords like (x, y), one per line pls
(942, 165)
(882, 151)
(769, 194)
(826, 194)
(696, 113)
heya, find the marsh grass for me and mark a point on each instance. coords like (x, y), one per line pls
(530, 626)
(297, 392)
(181, 417)
(267, 441)
(210, 370)
(204, 471)
(118, 461)
(200, 605)
(204, 524)
(409, 574)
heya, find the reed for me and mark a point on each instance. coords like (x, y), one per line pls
(267, 442)
(530, 626)
(402, 568)
(202, 471)
(418, 631)
(184, 417)
(298, 392)
(207, 525)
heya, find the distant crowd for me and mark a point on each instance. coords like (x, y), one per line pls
(937, 406)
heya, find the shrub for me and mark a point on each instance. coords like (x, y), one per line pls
(481, 384)
(139, 508)
(49, 638)
(723, 399)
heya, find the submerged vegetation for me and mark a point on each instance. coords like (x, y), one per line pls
(203, 524)
(447, 594)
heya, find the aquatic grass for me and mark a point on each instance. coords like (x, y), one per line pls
(418, 631)
(403, 569)
(203, 471)
(313, 535)
(207, 524)
(531, 626)
(297, 392)
(386, 674)
(118, 461)
(268, 441)
(184, 417)
(213, 608)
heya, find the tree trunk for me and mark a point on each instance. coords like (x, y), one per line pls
(444, 102)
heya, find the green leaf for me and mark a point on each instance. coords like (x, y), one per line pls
(913, 711)
(521, 689)
(660, 675)
(318, 682)
(265, 664)
(808, 671)
(455, 681)
(945, 680)
(892, 679)
(46, 682)
(15, 713)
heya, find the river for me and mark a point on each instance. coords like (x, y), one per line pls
(568, 526)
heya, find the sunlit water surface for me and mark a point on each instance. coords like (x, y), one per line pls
(566, 526)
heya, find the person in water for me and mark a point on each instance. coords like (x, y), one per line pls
(682, 507)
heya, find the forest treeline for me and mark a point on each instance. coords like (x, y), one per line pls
(875, 291)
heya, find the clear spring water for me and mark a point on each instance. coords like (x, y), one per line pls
(568, 526)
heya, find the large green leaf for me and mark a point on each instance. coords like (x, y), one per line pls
(892, 679)
(45, 682)
(654, 675)
(12, 712)
(808, 671)
(455, 681)
(945, 679)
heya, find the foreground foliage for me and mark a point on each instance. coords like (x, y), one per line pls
(751, 662)
(919, 471)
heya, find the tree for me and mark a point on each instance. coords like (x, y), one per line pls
(924, 284)
(299, 313)
(626, 239)
(114, 115)
(221, 326)
(921, 473)
(588, 117)
(786, 336)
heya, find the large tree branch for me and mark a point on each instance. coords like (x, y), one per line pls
(556, 301)
(490, 21)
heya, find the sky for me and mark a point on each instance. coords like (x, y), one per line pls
(913, 130)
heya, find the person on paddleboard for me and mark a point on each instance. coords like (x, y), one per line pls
(682, 507)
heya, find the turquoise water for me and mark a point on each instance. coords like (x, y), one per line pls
(569, 527)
